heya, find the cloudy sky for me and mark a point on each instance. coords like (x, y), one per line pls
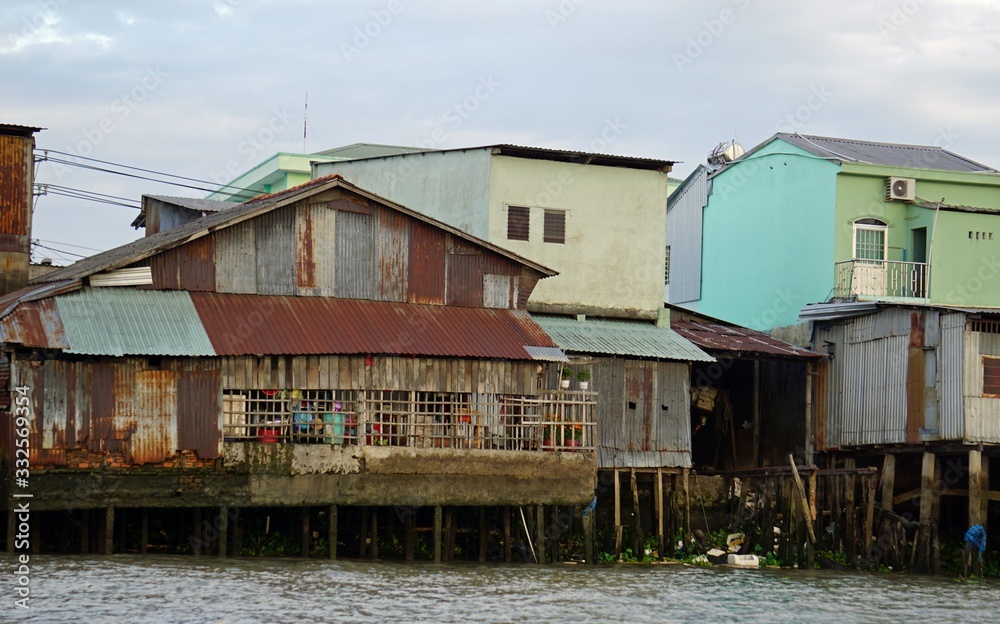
(199, 88)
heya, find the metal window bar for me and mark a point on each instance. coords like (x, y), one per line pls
(894, 279)
(551, 421)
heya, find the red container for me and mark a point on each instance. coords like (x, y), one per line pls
(269, 436)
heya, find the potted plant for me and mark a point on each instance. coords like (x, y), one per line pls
(583, 376)
(567, 374)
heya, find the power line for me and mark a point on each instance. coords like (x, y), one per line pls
(67, 244)
(214, 188)
(58, 251)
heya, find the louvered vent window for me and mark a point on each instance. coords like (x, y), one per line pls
(517, 223)
(991, 376)
(555, 226)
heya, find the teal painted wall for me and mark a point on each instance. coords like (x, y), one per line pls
(767, 249)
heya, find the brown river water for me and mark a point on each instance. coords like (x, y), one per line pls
(153, 588)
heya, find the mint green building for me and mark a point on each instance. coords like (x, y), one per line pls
(805, 219)
(287, 169)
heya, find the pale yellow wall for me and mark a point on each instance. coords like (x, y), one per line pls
(615, 231)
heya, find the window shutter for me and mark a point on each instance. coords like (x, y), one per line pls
(991, 376)
(517, 223)
(555, 226)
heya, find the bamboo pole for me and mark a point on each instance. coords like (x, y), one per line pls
(802, 497)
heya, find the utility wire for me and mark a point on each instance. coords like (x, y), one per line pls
(67, 244)
(70, 188)
(58, 251)
(214, 188)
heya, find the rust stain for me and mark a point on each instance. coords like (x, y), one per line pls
(198, 409)
(916, 329)
(426, 271)
(305, 263)
(16, 163)
(196, 264)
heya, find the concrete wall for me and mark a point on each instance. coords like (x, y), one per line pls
(613, 257)
(767, 248)
(449, 186)
(261, 475)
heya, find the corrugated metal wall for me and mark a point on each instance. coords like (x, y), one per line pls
(275, 241)
(392, 253)
(354, 263)
(427, 266)
(122, 406)
(982, 414)
(684, 224)
(236, 260)
(643, 413)
(950, 367)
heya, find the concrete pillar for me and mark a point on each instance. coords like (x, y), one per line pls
(109, 530)
(540, 533)
(331, 529)
(437, 533)
(306, 533)
(223, 529)
(975, 488)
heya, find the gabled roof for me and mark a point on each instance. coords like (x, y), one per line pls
(874, 153)
(619, 337)
(356, 151)
(558, 155)
(151, 245)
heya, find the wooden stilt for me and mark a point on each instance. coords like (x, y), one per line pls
(84, 531)
(618, 515)
(888, 480)
(926, 504)
(637, 541)
(144, 532)
(449, 533)
(850, 521)
(197, 544)
(588, 536)
(984, 486)
(554, 534)
(870, 492)
(540, 532)
(687, 502)
(507, 546)
(122, 531)
(437, 534)
(975, 487)
(482, 534)
(659, 514)
(409, 539)
(109, 530)
(306, 537)
(332, 519)
(363, 533)
(374, 548)
(237, 531)
(223, 530)
(936, 520)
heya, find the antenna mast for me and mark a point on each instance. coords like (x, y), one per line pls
(305, 123)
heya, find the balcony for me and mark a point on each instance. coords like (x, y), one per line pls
(877, 279)
(550, 421)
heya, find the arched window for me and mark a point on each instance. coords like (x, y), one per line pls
(870, 240)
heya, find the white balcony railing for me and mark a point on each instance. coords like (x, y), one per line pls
(881, 278)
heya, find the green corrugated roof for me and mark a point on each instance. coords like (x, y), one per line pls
(613, 337)
(128, 321)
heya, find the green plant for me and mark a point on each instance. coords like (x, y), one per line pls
(567, 373)
(583, 374)
(605, 557)
(770, 559)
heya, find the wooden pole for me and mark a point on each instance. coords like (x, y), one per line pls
(802, 497)
(144, 531)
(888, 480)
(618, 515)
(554, 536)
(975, 487)
(870, 492)
(437, 534)
(936, 520)
(237, 531)
(223, 529)
(482, 534)
(984, 485)
(588, 536)
(449, 528)
(661, 549)
(540, 532)
(687, 502)
(332, 518)
(637, 541)
(374, 550)
(109, 530)
(850, 521)
(507, 546)
(363, 533)
(306, 533)
(197, 531)
(756, 414)
(409, 539)
(84, 532)
(926, 503)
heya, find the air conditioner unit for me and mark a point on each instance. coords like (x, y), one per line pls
(900, 189)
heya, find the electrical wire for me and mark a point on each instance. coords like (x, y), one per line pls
(67, 244)
(213, 187)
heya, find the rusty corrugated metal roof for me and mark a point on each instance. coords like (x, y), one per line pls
(281, 325)
(718, 337)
